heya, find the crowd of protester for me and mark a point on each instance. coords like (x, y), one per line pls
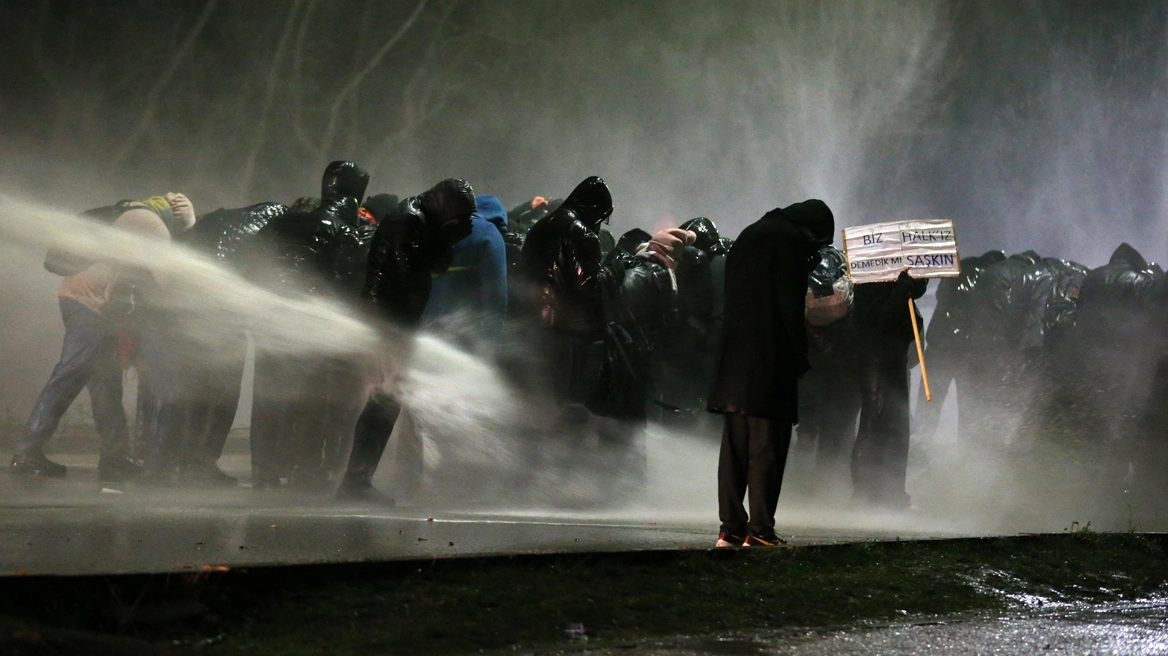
(766, 330)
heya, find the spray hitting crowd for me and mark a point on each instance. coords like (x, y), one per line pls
(765, 330)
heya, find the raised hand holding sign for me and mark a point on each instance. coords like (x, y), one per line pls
(881, 251)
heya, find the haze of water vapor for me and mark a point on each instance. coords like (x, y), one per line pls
(207, 303)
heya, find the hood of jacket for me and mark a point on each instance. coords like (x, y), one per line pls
(489, 208)
(631, 240)
(376, 208)
(815, 217)
(708, 240)
(591, 201)
(1026, 257)
(1127, 255)
(449, 205)
(343, 179)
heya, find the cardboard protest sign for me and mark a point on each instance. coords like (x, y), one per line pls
(879, 252)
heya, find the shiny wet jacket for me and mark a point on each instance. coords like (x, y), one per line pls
(224, 233)
(1123, 299)
(950, 324)
(413, 243)
(561, 263)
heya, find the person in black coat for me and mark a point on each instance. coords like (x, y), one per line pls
(214, 375)
(762, 354)
(829, 395)
(948, 350)
(299, 399)
(410, 246)
(565, 283)
(1112, 357)
(684, 351)
(884, 332)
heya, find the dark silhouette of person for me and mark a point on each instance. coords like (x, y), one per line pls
(883, 332)
(762, 354)
(411, 245)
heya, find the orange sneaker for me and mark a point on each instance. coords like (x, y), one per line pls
(723, 542)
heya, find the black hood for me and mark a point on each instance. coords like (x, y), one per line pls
(380, 206)
(708, 241)
(448, 207)
(1029, 257)
(991, 257)
(631, 240)
(815, 217)
(591, 201)
(450, 200)
(343, 179)
(1125, 254)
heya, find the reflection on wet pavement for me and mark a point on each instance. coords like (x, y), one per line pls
(77, 525)
(1139, 627)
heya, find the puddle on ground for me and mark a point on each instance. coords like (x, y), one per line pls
(1126, 627)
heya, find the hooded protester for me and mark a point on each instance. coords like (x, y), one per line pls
(884, 331)
(95, 299)
(628, 243)
(948, 347)
(1063, 306)
(1111, 360)
(304, 406)
(707, 238)
(762, 354)
(474, 287)
(829, 395)
(412, 244)
(214, 373)
(684, 353)
(594, 317)
(1005, 368)
(637, 314)
(566, 282)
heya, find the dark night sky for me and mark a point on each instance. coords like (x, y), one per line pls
(1032, 124)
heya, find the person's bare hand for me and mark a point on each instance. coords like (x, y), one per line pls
(668, 245)
(182, 207)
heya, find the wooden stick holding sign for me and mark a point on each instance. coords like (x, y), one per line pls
(912, 316)
(881, 251)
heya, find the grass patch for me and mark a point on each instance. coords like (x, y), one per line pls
(529, 602)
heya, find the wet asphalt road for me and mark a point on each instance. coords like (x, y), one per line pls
(78, 526)
(1139, 627)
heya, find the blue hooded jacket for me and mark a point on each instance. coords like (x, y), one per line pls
(477, 278)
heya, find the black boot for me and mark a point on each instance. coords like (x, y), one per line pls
(37, 464)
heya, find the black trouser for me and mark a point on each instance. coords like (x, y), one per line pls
(880, 456)
(752, 459)
(161, 371)
(374, 427)
(276, 405)
(303, 411)
(213, 392)
(89, 359)
(829, 400)
(336, 394)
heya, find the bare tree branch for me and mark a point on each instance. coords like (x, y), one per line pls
(355, 81)
(297, 86)
(257, 145)
(151, 103)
